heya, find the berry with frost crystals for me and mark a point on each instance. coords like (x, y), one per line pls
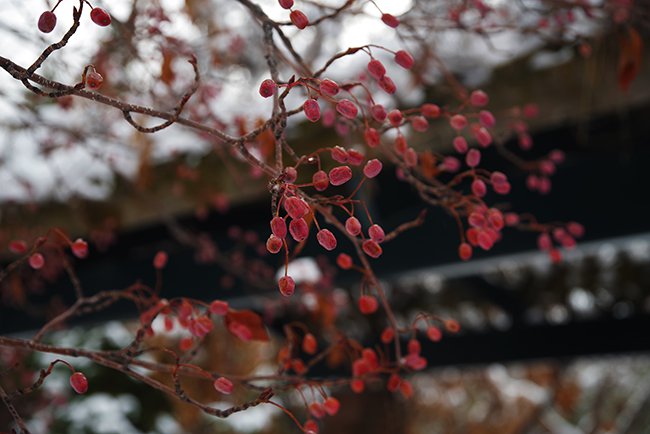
(340, 175)
(287, 285)
(299, 19)
(404, 59)
(347, 109)
(100, 17)
(219, 307)
(267, 88)
(376, 69)
(372, 168)
(353, 226)
(79, 383)
(478, 98)
(278, 227)
(376, 233)
(390, 20)
(311, 109)
(329, 87)
(223, 385)
(299, 229)
(273, 244)
(344, 261)
(368, 304)
(47, 22)
(296, 207)
(320, 180)
(326, 239)
(451, 164)
(79, 248)
(372, 248)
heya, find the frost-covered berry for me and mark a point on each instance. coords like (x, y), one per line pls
(458, 122)
(273, 244)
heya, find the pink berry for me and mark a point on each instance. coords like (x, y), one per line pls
(326, 239)
(311, 109)
(79, 383)
(278, 227)
(430, 110)
(434, 334)
(378, 112)
(344, 261)
(287, 286)
(36, 261)
(372, 137)
(420, 123)
(371, 248)
(347, 109)
(368, 304)
(503, 188)
(395, 117)
(47, 22)
(451, 164)
(376, 233)
(473, 158)
(498, 178)
(299, 229)
(390, 20)
(484, 240)
(400, 144)
(353, 226)
(478, 98)
(387, 85)
(160, 260)
(223, 385)
(460, 144)
(273, 244)
(320, 180)
(404, 59)
(458, 122)
(465, 251)
(100, 17)
(329, 87)
(331, 406)
(355, 157)
(576, 229)
(376, 69)
(18, 246)
(339, 154)
(411, 157)
(478, 188)
(79, 248)
(299, 19)
(483, 137)
(219, 307)
(290, 174)
(267, 88)
(372, 168)
(544, 241)
(296, 207)
(340, 175)
(511, 219)
(286, 4)
(486, 119)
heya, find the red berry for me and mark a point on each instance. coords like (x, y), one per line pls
(347, 109)
(278, 227)
(299, 19)
(452, 326)
(309, 344)
(160, 260)
(483, 137)
(390, 20)
(331, 406)
(434, 334)
(357, 385)
(18, 246)
(414, 346)
(465, 251)
(373, 168)
(223, 385)
(419, 123)
(372, 137)
(376, 233)
(486, 119)
(405, 387)
(404, 59)
(473, 158)
(218, 307)
(320, 180)
(94, 79)
(478, 188)
(478, 98)
(393, 383)
(79, 383)
(576, 229)
(296, 207)
(311, 427)
(286, 4)
(544, 242)
(316, 410)
(329, 87)
(353, 226)
(368, 304)
(273, 244)
(372, 249)
(430, 110)
(299, 229)
(411, 157)
(355, 157)
(340, 175)
(287, 286)
(326, 239)
(458, 122)
(387, 85)
(387, 335)
(395, 117)
(460, 144)
(47, 22)
(36, 261)
(339, 154)
(267, 88)
(100, 17)
(378, 112)
(376, 69)
(311, 109)
(344, 261)
(290, 174)
(79, 248)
